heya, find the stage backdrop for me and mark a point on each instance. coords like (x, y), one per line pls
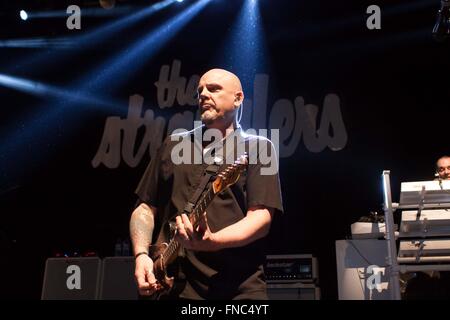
(350, 95)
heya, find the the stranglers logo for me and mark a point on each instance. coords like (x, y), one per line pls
(319, 127)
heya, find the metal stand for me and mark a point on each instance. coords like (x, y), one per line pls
(392, 263)
(392, 257)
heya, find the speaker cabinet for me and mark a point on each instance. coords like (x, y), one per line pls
(117, 281)
(71, 278)
(293, 291)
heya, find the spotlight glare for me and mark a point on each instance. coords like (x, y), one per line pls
(23, 15)
(179, 0)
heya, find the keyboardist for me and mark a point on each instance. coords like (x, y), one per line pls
(443, 168)
(431, 284)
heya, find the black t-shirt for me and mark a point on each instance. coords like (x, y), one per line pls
(234, 273)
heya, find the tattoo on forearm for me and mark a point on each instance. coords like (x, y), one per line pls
(141, 229)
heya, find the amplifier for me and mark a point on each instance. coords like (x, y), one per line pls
(293, 291)
(71, 279)
(117, 279)
(291, 268)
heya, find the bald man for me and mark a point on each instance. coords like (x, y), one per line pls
(443, 168)
(220, 95)
(223, 257)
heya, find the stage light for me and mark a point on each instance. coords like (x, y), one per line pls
(31, 132)
(56, 43)
(123, 65)
(41, 89)
(38, 61)
(43, 129)
(23, 15)
(247, 53)
(179, 0)
(244, 52)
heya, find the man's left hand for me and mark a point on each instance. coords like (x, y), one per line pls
(200, 239)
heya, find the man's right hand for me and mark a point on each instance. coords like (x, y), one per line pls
(145, 279)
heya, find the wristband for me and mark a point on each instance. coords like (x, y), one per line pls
(140, 253)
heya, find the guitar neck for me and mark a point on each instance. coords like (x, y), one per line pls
(171, 251)
(201, 206)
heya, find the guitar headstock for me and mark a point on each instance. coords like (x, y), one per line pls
(230, 175)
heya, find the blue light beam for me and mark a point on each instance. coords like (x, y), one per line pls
(244, 51)
(131, 59)
(44, 120)
(37, 62)
(45, 90)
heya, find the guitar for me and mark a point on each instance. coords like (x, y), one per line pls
(164, 254)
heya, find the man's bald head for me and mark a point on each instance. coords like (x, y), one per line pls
(219, 96)
(443, 167)
(223, 76)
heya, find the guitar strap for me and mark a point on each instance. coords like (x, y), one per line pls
(208, 175)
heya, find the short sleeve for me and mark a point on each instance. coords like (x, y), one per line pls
(263, 182)
(147, 189)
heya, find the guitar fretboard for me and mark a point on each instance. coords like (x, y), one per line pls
(171, 251)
